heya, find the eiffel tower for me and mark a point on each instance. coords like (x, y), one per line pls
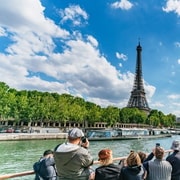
(138, 98)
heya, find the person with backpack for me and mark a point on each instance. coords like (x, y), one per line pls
(45, 167)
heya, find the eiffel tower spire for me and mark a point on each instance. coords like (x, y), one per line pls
(138, 98)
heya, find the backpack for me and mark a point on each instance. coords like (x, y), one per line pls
(37, 167)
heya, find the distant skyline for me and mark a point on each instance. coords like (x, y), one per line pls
(88, 49)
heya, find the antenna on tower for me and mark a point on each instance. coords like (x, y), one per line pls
(139, 39)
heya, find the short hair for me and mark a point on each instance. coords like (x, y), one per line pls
(159, 152)
(47, 152)
(133, 159)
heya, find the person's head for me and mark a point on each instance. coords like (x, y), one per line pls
(75, 135)
(48, 153)
(133, 159)
(142, 156)
(175, 145)
(159, 153)
(105, 157)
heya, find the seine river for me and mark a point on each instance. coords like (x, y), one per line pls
(19, 156)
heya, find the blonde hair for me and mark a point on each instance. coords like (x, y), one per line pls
(133, 159)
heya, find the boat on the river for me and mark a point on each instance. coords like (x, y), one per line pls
(125, 134)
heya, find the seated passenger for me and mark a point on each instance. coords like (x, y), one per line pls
(134, 169)
(107, 170)
(45, 167)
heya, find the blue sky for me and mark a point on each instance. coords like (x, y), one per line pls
(88, 48)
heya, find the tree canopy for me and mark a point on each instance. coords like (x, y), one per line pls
(33, 106)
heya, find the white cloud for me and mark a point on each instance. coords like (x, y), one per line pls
(2, 32)
(174, 96)
(121, 56)
(149, 89)
(178, 61)
(45, 57)
(93, 41)
(23, 16)
(157, 105)
(177, 44)
(172, 5)
(120, 65)
(122, 4)
(75, 14)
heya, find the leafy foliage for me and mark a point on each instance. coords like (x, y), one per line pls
(34, 106)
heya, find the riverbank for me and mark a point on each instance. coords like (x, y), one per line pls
(31, 136)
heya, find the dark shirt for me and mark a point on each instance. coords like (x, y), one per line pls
(174, 160)
(132, 173)
(150, 157)
(110, 172)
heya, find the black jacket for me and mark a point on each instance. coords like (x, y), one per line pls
(174, 160)
(132, 173)
(110, 172)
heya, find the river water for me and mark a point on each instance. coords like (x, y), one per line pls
(19, 156)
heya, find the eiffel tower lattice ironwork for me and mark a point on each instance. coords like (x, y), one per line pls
(138, 98)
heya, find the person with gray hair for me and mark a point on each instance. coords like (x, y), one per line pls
(174, 160)
(72, 158)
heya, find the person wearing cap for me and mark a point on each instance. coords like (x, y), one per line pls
(158, 169)
(174, 160)
(72, 158)
(45, 167)
(107, 170)
(134, 169)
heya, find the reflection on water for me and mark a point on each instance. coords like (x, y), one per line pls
(18, 156)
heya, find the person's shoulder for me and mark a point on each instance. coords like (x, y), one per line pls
(170, 157)
(116, 166)
(83, 150)
(108, 168)
(99, 168)
(166, 162)
(57, 146)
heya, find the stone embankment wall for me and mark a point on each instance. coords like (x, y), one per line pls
(31, 136)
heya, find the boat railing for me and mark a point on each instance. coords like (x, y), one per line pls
(27, 173)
